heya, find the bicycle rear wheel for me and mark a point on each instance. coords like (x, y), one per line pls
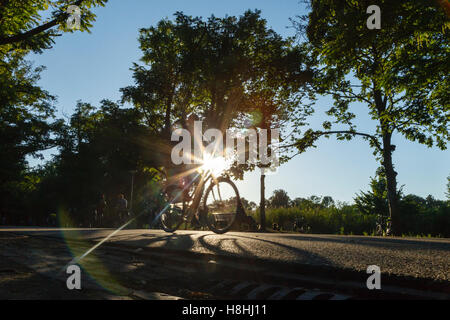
(220, 205)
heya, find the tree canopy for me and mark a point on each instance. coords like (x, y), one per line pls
(24, 25)
(279, 199)
(226, 71)
(400, 72)
(27, 122)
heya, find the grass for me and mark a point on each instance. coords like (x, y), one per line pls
(348, 220)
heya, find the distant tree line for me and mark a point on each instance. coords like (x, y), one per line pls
(419, 216)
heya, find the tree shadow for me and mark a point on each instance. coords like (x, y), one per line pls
(387, 243)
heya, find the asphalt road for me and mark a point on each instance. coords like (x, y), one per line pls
(413, 258)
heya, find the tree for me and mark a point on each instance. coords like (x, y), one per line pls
(98, 149)
(224, 70)
(25, 109)
(297, 202)
(448, 188)
(23, 28)
(399, 72)
(375, 201)
(24, 106)
(27, 123)
(232, 71)
(252, 206)
(315, 199)
(246, 204)
(327, 201)
(279, 199)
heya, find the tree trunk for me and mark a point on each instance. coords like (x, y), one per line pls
(391, 182)
(262, 208)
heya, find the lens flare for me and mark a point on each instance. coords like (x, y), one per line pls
(215, 165)
(80, 249)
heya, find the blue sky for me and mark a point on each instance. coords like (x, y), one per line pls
(92, 67)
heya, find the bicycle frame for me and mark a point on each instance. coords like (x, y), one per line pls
(194, 205)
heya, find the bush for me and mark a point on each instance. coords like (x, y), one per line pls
(332, 220)
(416, 218)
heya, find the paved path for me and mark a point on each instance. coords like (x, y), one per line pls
(411, 257)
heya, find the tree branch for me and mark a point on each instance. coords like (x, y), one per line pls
(23, 36)
(318, 134)
(353, 96)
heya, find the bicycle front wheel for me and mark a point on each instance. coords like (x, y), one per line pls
(173, 216)
(221, 204)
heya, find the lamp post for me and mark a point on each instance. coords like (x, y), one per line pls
(262, 207)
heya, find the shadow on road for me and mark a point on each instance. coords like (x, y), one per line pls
(385, 243)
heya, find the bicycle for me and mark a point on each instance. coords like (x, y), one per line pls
(216, 206)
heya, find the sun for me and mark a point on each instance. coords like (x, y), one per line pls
(216, 165)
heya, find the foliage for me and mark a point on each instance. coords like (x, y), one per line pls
(279, 199)
(418, 217)
(24, 26)
(375, 201)
(232, 71)
(399, 72)
(27, 124)
(322, 220)
(225, 71)
(25, 109)
(99, 149)
(448, 188)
